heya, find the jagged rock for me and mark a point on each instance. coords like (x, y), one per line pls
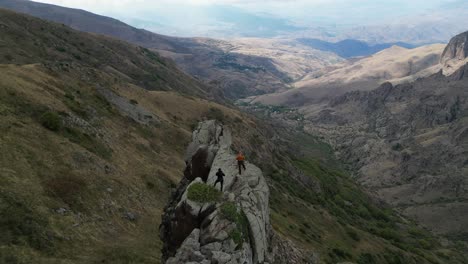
(133, 111)
(130, 216)
(189, 251)
(216, 246)
(185, 221)
(217, 230)
(220, 257)
(455, 54)
(61, 211)
(202, 150)
(201, 233)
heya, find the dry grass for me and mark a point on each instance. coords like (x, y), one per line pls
(57, 172)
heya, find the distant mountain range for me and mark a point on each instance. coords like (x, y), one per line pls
(409, 142)
(395, 64)
(351, 48)
(221, 21)
(239, 69)
(238, 75)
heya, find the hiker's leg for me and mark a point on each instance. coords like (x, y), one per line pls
(222, 183)
(243, 165)
(239, 164)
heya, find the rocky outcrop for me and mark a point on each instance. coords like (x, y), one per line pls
(128, 108)
(455, 54)
(234, 228)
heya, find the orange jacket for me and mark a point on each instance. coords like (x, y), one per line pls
(240, 157)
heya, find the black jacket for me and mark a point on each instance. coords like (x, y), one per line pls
(220, 175)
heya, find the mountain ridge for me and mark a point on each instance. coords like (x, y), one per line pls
(233, 73)
(349, 48)
(92, 149)
(395, 64)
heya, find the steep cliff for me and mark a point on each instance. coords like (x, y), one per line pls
(204, 225)
(455, 54)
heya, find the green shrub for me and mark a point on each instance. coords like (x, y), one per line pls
(89, 142)
(202, 193)
(425, 243)
(124, 255)
(66, 188)
(338, 254)
(51, 121)
(366, 258)
(237, 237)
(215, 113)
(389, 234)
(21, 223)
(353, 234)
(70, 96)
(76, 56)
(230, 212)
(61, 49)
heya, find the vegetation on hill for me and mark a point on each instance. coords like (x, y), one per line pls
(83, 179)
(28, 40)
(316, 203)
(85, 175)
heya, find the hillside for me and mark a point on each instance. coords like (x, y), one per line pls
(408, 144)
(82, 128)
(404, 143)
(288, 56)
(59, 47)
(395, 65)
(349, 48)
(239, 74)
(92, 150)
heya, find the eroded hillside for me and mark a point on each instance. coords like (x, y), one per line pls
(408, 143)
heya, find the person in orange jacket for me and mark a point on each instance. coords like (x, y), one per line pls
(240, 162)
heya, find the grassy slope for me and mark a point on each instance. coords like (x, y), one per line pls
(69, 195)
(98, 172)
(28, 40)
(104, 168)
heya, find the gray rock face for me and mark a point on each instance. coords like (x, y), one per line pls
(455, 54)
(200, 232)
(457, 48)
(127, 108)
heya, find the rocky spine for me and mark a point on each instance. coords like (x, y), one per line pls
(235, 228)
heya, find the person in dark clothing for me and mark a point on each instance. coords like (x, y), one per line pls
(220, 179)
(240, 162)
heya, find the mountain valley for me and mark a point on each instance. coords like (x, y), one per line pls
(112, 138)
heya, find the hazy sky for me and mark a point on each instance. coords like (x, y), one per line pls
(196, 16)
(286, 8)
